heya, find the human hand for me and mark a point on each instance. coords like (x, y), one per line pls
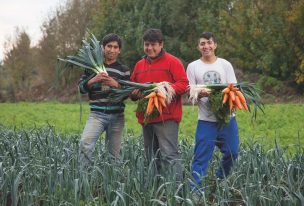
(105, 79)
(109, 81)
(135, 95)
(98, 78)
(203, 93)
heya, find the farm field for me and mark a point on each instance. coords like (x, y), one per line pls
(44, 138)
(281, 122)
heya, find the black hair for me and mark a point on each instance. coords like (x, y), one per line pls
(111, 37)
(208, 35)
(153, 35)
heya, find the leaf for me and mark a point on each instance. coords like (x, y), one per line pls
(89, 56)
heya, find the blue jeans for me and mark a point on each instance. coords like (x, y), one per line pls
(162, 139)
(97, 123)
(208, 135)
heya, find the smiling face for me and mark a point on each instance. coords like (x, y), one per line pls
(111, 51)
(207, 47)
(152, 49)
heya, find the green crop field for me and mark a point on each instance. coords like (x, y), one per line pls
(281, 122)
(39, 161)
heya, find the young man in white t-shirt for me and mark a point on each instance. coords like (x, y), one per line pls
(210, 69)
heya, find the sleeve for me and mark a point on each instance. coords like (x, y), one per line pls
(82, 84)
(190, 74)
(181, 82)
(231, 78)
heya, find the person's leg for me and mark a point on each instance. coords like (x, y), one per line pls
(95, 125)
(114, 133)
(167, 135)
(229, 146)
(151, 145)
(205, 137)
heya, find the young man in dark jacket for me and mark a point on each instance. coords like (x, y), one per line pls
(104, 115)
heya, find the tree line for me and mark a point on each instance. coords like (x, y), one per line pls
(259, 37)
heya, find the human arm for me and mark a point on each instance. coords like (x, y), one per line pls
(104, 79)
(230, 74)
(193, 80)
(82, 84)
(180, 81)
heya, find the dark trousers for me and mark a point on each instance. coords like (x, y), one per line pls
(161, 143)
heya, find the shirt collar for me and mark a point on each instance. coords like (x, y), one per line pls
(161, 53)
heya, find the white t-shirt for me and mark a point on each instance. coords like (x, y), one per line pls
(219, 72)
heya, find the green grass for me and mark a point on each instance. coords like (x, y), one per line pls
(281, 122)
(65, 117)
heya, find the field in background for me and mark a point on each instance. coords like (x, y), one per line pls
(264, 174)
(283, 122)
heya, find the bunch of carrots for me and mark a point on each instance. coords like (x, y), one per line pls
(156, 99)
(235, 98)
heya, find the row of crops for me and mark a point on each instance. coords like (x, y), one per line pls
(40, 167)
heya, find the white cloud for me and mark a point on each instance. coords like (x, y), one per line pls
(24, 14)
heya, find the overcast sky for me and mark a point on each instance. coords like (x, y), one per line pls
(25, 14)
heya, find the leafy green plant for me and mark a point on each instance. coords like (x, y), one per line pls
(90, 56)
(222, 104)
(285, 129)
(40, 167)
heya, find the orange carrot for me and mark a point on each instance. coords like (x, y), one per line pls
(232, 95)
(241, 96)
(226, 90)
(160, 95)
(245, 106)
(162, 101)
(155, 99)
(235, 106)
(152, 94)
(150, 106)
(225, 98)
(230, 104)
(238, 102)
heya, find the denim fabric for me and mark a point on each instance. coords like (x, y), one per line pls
(208, 135)
(96, 124)
(162, 139)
